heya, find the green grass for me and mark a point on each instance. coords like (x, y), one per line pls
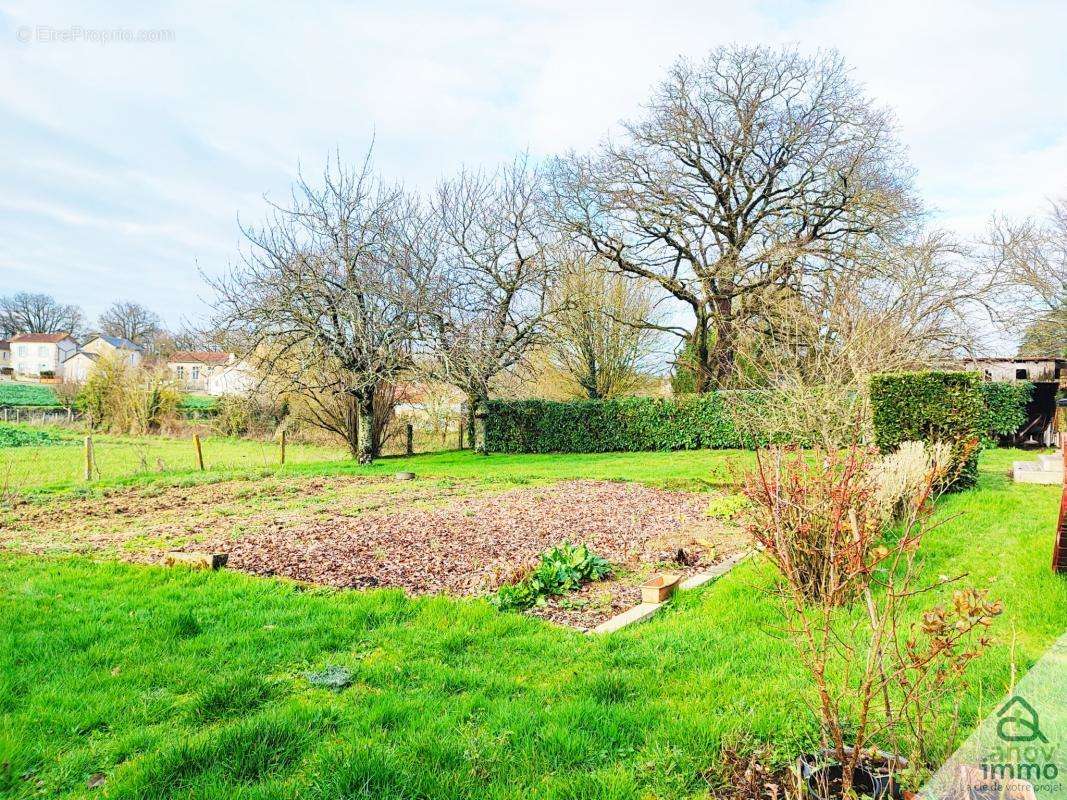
(121, 459)
(136, 460)
(26, 394)
(188, 684)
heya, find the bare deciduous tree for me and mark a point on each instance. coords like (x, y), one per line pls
(900, 308)
(1031, 259)
(598, 336)
(131, 321)
(750, 170)
(328, 295)
(26, 312)
(494, 277)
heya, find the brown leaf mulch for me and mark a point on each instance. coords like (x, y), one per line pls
(472, 544)
(426, 536)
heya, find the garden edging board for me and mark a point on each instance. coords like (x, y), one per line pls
(643, 611)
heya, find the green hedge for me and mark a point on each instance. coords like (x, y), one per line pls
(930, 406)
(626, 424)
(1005, 406)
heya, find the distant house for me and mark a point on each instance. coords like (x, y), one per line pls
(79, 365)
(193, 369)
(237, 377)
(5, 356)
(115, 346)
(36, 353)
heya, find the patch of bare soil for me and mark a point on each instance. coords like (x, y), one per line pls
(425, 536)
(137, 523)
(473, 544)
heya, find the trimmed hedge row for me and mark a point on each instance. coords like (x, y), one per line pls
(906, 406)
(930, 406)
(1005, 406)
(625, 424)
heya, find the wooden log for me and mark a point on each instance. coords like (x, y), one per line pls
(195, 560)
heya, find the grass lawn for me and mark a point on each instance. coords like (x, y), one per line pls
(122, 462)
(125, 458)
(172, 683)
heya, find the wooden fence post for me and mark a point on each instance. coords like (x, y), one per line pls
(409, 444)
(199, 451)
(88, 458)
(283, 448)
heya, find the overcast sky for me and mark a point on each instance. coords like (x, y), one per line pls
(124, 164)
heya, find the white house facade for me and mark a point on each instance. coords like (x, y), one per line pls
(35, 353)
(78, 366)
(235, 378)
(212, 373)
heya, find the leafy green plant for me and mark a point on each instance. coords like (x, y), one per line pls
(932, 407)
(14, 436)
(197, 402)
(562, 569)
(27, 394)
(726, 506)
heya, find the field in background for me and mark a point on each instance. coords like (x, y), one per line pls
(35, 395)
(119, 458)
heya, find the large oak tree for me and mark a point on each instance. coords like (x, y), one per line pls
(748, 170)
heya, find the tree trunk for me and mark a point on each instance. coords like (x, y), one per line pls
(721, 361)
(473, 401)
(367, 446)
(352, 424)
(701, 358)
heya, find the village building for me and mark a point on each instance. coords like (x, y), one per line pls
(211, 372)
(78, 366)
(41, 354)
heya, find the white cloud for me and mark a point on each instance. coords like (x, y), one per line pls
(126, 164)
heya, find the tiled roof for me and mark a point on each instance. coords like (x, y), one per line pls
(40, 338)
(5, 344)
(202, 356)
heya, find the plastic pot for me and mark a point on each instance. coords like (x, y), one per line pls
(820, 776)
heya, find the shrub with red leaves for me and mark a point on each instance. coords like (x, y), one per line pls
(815, 518)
